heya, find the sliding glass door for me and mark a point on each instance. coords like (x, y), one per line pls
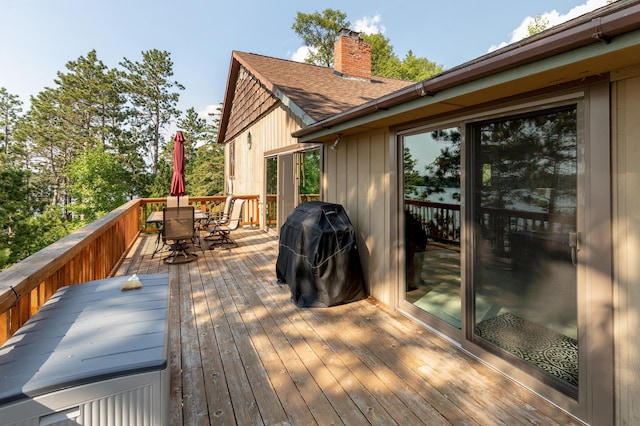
(432, 223)
(521, 298)
(525, 244)
(506, 228)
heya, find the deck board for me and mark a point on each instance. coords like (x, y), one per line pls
(242, 353)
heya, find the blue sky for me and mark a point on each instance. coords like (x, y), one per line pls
(38, 37)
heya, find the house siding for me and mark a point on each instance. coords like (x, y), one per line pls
(250, 101)
(625, 93)
(362, 176)
(357, 177)
(271, 132)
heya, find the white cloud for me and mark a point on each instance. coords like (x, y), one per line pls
(301, 54)
(209, 109)
(553, 17)
(369, 25)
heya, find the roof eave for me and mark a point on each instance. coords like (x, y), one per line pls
(619, 18)
(232, 78)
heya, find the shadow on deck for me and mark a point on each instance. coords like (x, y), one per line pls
(243, 353)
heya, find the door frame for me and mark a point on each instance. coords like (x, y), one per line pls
(287, 188)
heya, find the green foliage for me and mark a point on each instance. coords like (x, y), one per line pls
(272, 175)
(528, 156)
(412, 177)
(309, 182)
(13, 196)
(160, 181)
(99, 184)
(21, 232)
(10, 108)
(442, 170)
(152, 95)
(318, 31)
(196, 132)
(207, 176)
(37, 232)
(80, 149)
(384, 61)
(415, 68)
(538, 25)
(204, 167)
(89, 103)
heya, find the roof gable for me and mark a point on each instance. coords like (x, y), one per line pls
(257, 83)
(250, 101)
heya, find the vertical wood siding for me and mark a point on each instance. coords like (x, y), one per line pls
(357, 176)
(271, 132)
(626, 234)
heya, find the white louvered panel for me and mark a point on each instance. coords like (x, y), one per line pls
(133, 407)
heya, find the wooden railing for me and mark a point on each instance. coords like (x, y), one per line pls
(271, 212)
(91, 253)
(440, 221)
(500, 226)
(303, 198)
(209, 205)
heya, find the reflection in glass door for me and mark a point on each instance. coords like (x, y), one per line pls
(525, 242)
(271, 213)
(309, 176)
(431, 163)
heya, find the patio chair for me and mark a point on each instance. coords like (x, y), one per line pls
(218, 218)
(173, 201)
(178, 230)
(220, 233)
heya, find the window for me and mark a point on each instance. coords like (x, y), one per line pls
(309, 176)
(232, 160)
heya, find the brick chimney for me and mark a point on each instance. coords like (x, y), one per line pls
(352, 55)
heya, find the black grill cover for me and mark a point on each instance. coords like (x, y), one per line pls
(318, 257)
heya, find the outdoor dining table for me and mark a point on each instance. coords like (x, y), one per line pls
(155, 218)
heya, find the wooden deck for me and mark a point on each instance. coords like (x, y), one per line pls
(243, 353)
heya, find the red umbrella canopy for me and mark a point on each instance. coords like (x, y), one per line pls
(178, 187)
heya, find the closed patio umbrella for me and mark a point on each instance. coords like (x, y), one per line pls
(178, 187)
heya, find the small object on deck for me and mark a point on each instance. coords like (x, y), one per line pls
(132, 283)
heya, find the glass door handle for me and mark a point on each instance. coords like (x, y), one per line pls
(574, 244)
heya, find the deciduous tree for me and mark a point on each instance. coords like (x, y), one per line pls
(319, 31)
(99, 184)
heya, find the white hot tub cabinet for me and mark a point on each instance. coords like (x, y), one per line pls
(92, 355)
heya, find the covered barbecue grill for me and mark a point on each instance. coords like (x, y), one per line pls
(318, 257)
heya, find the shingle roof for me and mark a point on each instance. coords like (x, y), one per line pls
(317, 91)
